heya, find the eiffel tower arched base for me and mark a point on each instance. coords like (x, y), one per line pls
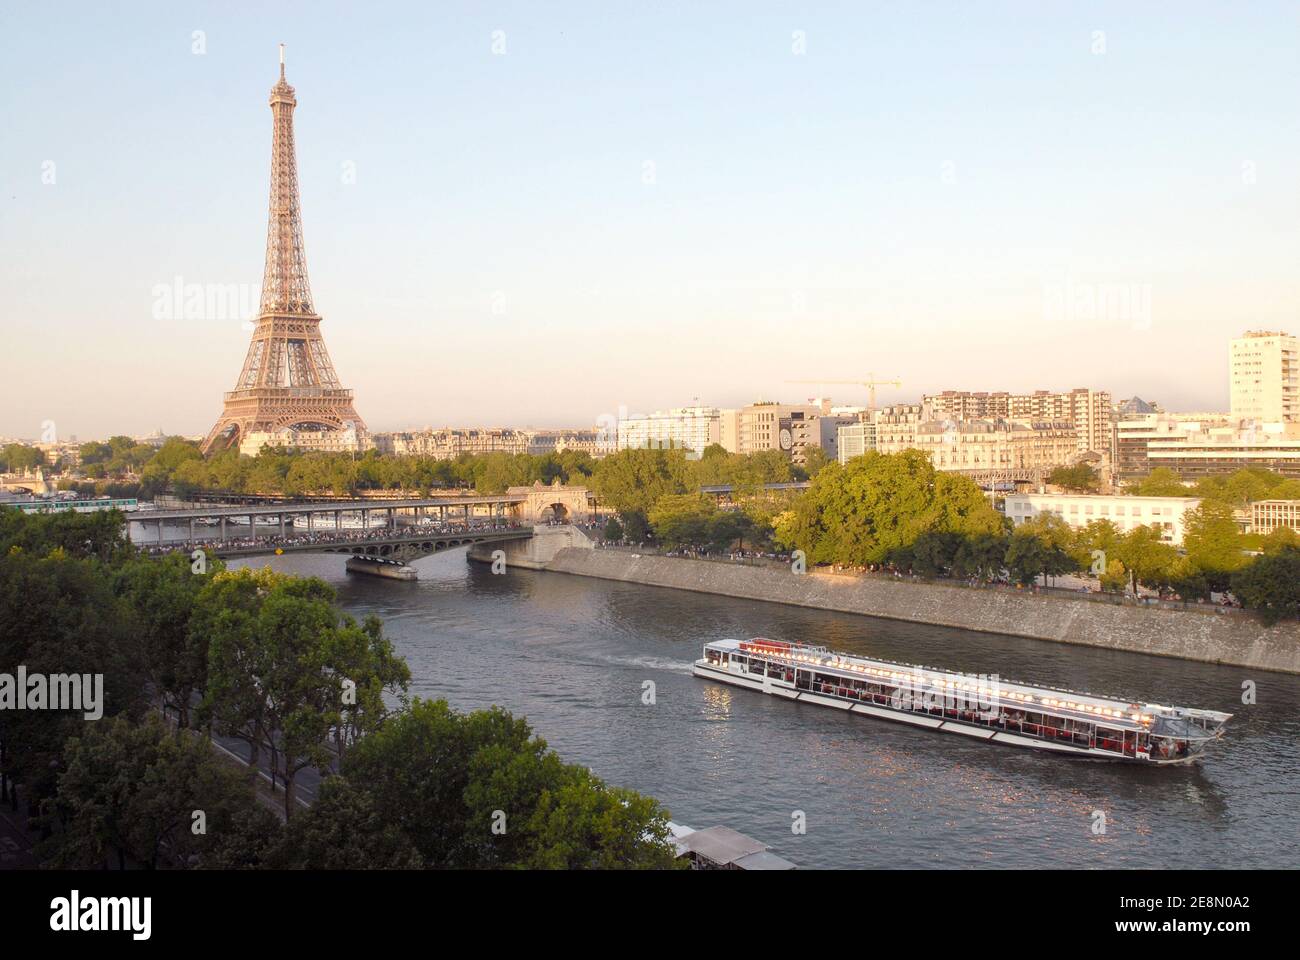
(272, 409)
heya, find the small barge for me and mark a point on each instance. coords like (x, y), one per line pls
(983, 707)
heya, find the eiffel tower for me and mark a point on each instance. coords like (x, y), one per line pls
(288, 381)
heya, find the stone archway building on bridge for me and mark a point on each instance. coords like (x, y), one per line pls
(543, 504)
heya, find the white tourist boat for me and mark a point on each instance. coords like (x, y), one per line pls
(986, 708)
(357, 523)
(323, 523)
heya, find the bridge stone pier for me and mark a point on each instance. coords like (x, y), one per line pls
(535, 552)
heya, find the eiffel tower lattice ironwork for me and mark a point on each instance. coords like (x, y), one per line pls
(288, 380)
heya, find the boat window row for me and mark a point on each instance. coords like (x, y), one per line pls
(1071, 731)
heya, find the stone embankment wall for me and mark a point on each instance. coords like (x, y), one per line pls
(536, 552)
(1233, 638)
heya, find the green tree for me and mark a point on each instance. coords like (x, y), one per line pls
(1213, 542)
(130, 792)
(58, 614)
(580, 823)
(1147, 558)
(1190, 581)
(283, 665)
(373, 675)
(1160, 482)
(932, 554)
(1027, 557)
(101, 534)
(1271, 585)
(1115, 577)
(635, 526)
(1079, 478)
(982, 556)
(613, 529)
(1240, 487)
(478, 790)
(15, 457)
(634, 480)
(161, 597)
(683, 519)
(1279, 539)
(226, 615)
(1096, 543)
(863, 511)
(345, 829)
(728, 528)
(1042, 546)
(815, 459)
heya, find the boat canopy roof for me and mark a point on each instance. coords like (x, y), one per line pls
(1109, 711)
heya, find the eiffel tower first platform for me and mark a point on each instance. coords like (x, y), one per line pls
(288, 382)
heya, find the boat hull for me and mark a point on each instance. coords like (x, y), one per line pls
(787, 691)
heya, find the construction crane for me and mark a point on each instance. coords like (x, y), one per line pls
(870, 383)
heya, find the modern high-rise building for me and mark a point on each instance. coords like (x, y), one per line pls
(1264, 367)
(687, 428)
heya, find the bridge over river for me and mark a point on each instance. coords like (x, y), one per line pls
(379, 535)
(384, 551)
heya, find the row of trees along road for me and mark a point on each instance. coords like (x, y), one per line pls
(629, 480)
(897, 510)
(890, 510)
(270, 659)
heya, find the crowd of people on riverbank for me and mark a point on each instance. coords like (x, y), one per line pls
(696, 553)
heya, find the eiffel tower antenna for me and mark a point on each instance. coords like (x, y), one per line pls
(287, 381)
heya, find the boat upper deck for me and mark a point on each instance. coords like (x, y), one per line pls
(1110, 711)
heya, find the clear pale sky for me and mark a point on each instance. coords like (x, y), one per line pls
(939, 192)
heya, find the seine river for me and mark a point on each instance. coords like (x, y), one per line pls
(573, 654)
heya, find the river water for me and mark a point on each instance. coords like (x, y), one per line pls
(573, 654)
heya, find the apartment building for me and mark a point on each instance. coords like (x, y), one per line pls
(1089, 412)
(448, 443)
(896, 425)
(317, 441)
(1264, 372)
(992, 450)
(594, 442)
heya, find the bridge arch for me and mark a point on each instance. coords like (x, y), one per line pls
(556, 512)
(542, 504)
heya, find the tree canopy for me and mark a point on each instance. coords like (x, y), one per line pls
(1079, 478)
(862, 511)
(276, 662)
